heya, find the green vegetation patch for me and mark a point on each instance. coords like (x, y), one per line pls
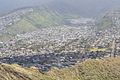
(20, 27)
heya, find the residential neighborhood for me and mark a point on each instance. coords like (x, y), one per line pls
(60, 46)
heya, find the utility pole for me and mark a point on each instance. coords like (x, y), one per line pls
(113, 53)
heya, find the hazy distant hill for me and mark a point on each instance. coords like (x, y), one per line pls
(87, 8)
(110, 19)
(38, 18)
(26, 21)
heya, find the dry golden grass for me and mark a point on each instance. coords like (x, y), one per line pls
(104, 69)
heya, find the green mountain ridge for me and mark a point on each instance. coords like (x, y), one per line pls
(109, 20)
(31, 21)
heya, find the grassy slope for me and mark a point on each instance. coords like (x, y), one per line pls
(15, 72)
(106, 69)
(22, 26)
(33, 21)
(105, 23)
(43, 18)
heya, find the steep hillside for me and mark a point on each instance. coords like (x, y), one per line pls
(105, 69)
(110, 19)
(15, 72)
(22, 26)
(28, 19)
